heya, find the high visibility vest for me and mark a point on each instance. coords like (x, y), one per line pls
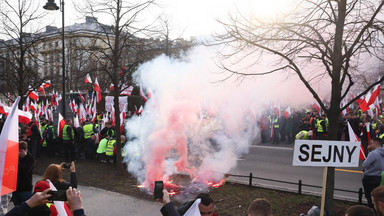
(326, 123)
(65, 134)
(88, 130)
(302, 132)
(109, 150)
(381, 136)
(276, 123)
(42, 132)
(102, 146)
(319, 127)
(374, 126)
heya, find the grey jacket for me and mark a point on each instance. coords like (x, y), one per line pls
(374, 164)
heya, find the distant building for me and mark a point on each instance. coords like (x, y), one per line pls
(86, 51)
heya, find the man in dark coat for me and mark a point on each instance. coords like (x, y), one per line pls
(24, 175)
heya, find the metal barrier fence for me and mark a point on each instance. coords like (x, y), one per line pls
(299, 185)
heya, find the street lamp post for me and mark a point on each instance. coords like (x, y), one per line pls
(51, 5)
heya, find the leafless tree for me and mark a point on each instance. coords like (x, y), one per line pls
(18, 51)
(337, 36)
(123, 32)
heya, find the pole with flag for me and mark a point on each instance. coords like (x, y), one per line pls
(9, 151)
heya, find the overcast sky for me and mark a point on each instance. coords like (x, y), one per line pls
(193, 17)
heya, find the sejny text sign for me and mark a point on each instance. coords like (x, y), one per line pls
(326, 153)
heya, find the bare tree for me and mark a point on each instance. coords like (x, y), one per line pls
(337, 36)
(18, 53)
(122, 33)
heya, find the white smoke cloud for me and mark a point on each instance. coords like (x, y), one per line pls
(193, 125)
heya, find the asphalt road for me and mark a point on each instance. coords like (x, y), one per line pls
(275, 162)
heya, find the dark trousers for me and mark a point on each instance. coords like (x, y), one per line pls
(33, 147)
(275, 136)
(370, 183)
(70, 150)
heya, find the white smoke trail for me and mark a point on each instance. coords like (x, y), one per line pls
(193, 126)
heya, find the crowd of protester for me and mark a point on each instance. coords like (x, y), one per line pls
(92, 141)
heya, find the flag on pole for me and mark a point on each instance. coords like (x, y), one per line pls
(354, 138)
(98, 90)
(287, 112)
(60, 126)
(88, 79)
(9, 151)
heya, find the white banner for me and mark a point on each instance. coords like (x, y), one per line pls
(123, 103)
(326, 153)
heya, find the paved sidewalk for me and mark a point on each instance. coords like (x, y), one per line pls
(99, 202)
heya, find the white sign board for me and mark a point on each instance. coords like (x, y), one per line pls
(326, 153)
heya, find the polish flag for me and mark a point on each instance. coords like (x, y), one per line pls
(33, 95)
(111, 87)
(141, 109)
(122, 117)
(33, 106)
(83, 113)
(317, 107)
(98, 90)
(142, 94)
(81, 96)
(354, 138)
(60, 126)
(44, 85)
(9, 151)
(287, 112)
(76, 122)
(370, 98)
(24, 117)
(94, 111)
(88, 79)
(127, 90)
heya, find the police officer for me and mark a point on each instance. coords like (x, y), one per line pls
(110, 156)
(90, 147)
(68, 142)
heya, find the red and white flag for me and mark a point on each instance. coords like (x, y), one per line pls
(143, 94)
(287, 112)
(370, 98)
(127, 90)
(76, 122)
(98, 90)
(60, 126)
(317, 107)
(141, 109)
(44, 85)
(9, 151)
(33, 95)
(354, 138)
(81, 96)
(122, 117)
(88, 79)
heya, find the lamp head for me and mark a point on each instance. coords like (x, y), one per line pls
(51, 5)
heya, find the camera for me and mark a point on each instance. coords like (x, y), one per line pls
(158, 192)
(66, 165)
(60, 195)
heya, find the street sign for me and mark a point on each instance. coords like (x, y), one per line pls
(326, 153)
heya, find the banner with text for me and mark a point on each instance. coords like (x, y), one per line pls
(326, 153)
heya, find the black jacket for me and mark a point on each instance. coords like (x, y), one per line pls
(24, 173)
